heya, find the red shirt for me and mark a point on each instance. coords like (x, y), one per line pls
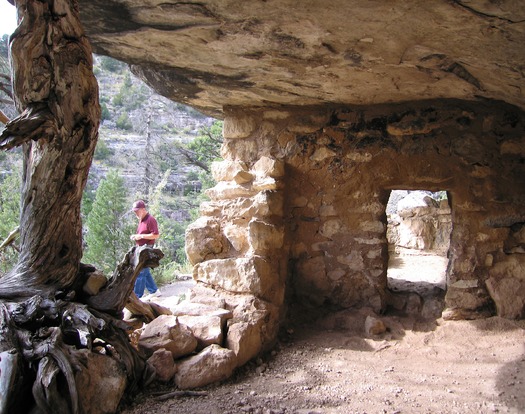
(147, 225)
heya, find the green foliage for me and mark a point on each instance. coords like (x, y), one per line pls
(123, 122)
(118, 100)
(201, 152)
(155, 196)
(130, 96)
(192, 175)
(105, 112)
(207, 148)
(6, 102)
(88, 198)
(111, 65)
(10, 201)
(107, 236)
(128, 83)
(102, 151)
(206, 180)
(169, 272)
(9, 214)
(207, 145)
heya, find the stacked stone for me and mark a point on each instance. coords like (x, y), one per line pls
(235, 246)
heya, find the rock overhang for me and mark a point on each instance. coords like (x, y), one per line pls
(221, 53)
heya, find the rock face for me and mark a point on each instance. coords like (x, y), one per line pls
(218, 53)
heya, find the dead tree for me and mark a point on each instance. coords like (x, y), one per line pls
(45, 319)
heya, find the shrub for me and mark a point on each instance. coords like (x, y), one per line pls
(105, 114)
(111, 64)
(102, 151)
(123, 122)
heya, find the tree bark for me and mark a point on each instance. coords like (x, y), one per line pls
(46, 322)
(57, 96)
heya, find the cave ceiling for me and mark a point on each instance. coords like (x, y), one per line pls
(212, 54)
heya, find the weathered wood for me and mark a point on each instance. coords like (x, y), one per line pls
(114, 335)
(56, 350)
(35, 123)
(57, 94)
(45, 335)
(114, 296)
(79, 324)
(146, 310)
(11, 237)
(139, 308)
(67, 328)
(47, 391)
(11, 368)
(9, 379)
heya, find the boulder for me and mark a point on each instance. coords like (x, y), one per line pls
(163, 364)
(506, 286)
(203, 239)
(188, 308)
(206, 328)
(102, 381)
(252, 275)
(166, 332)
(374, 326)
(210, 365)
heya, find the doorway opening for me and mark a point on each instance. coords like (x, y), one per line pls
(418, 234)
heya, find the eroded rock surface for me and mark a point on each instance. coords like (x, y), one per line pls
(217, 53)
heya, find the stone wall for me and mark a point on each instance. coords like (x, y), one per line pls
(298, 213)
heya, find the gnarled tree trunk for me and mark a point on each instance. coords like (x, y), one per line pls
(47, 323)
(57, 94)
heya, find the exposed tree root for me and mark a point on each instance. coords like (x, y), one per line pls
(44, 338)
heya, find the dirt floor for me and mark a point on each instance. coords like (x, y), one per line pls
(329, 365)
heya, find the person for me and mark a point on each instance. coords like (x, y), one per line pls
(147, 233)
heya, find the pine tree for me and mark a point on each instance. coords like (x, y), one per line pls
(108, 233)
(9, 215)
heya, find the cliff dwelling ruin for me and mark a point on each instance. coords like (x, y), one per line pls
(327, 109)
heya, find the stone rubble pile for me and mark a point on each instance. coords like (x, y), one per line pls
(202, 343)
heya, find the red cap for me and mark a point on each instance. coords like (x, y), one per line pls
(137, 205)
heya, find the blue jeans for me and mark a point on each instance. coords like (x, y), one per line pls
(144, 279)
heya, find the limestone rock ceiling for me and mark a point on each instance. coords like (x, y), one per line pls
(216, 53)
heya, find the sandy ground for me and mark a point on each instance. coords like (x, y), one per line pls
(329, 365)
